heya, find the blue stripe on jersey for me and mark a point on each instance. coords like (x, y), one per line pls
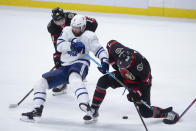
(40, 93)
(85, 60)
(39, 98)
(98, 51)
(81, 94)
(61, 40)
(79, 89)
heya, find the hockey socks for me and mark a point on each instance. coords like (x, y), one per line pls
(98, 97)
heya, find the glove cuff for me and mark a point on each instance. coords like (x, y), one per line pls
(104, 59)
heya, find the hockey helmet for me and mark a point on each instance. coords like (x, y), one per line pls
(124, 59)
(57, 14)
(79, 21)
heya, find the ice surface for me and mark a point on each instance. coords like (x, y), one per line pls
(26, 52)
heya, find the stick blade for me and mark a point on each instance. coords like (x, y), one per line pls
(13, 106)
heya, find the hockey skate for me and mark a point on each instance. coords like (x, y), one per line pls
(59, 90)
(32, 116)
(88, 118)
(171, 118)
(95, 114)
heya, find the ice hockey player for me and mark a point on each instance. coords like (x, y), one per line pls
(132, 69)
(61, 19)
(74, 43)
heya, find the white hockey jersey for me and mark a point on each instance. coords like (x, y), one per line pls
(88, 38)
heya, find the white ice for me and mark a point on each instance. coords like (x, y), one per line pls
(26, 52)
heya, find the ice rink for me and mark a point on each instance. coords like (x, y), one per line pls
(26, 51)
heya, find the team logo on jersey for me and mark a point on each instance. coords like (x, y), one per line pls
(140, 67)
(118, 50)
(129, 76)
(72, 53)
(126, 74)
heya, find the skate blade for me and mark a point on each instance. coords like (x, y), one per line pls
(26, 119)
(169, 121)
(94, 120)
(59, 93)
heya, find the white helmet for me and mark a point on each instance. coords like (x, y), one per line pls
(79, 21)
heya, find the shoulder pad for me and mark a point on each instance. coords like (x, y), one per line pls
(70, 15)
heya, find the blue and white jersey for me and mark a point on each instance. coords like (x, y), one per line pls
(88, 38)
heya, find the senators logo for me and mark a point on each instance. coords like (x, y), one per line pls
(129, 76)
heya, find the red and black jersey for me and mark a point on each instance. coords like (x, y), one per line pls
(56, 30)
(137, 72)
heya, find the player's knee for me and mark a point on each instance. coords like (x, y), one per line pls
(41, 85)
(103, 82)
(75, 77)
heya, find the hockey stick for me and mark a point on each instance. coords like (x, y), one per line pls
(186, 109)
(123, 86)
(16, 105)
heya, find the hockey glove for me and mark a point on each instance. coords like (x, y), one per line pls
(57, 61)
(77, 46)
(104, 65)
(134, 96)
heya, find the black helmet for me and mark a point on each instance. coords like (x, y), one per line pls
(57, 14)
(124, 59)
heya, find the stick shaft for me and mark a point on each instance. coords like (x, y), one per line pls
(187, 109)
(25, 97)
(29, 92)
(140, 117)
(123, 86)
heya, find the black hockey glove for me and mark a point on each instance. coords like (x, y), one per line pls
(57, 61)
(134, 96)
(104, 65)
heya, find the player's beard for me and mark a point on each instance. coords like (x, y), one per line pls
(77, 34)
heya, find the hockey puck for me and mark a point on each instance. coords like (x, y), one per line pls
(125, 117)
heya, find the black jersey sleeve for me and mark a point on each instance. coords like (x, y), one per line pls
(53, 28)
(113, 64)
(68, 17)
(141, 69)
(55, 32)
(91, 24)
(145, 71)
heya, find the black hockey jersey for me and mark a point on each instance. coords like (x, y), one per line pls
(137, 71)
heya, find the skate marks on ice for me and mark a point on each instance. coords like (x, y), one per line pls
(73, 125)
